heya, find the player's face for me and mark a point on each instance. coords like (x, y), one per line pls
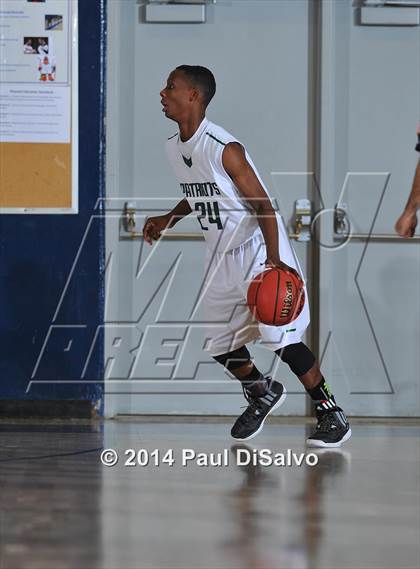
(177, 96)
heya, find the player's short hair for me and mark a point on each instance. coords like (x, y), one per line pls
(202, 78)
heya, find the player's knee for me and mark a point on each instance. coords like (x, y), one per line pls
(298, 357)
(238, 362)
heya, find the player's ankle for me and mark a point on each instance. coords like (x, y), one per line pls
(255, 384)
(321, 395)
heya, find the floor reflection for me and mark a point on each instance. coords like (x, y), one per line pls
(61, 509)
(50, 479)
(255, 541)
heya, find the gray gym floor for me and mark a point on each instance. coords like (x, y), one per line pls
(61, 508)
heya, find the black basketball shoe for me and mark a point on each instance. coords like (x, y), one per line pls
(331, 431)
(250, 423)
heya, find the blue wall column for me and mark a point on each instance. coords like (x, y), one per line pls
(51, 266)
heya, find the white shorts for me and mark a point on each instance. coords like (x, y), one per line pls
(229, 322)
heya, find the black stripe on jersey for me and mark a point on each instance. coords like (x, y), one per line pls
(172, 136)
(216, 139)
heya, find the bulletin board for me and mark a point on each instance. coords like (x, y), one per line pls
(39, 107)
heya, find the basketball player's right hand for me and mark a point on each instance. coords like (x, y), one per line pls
(280, 265)
(153, 228)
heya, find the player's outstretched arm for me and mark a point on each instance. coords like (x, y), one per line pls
(247, 182)
(155, 225)
(407, 222)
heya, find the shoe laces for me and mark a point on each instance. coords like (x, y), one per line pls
(254, 404)
(249, 397)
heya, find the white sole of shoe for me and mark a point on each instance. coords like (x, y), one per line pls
(321, 444)
(276, 406)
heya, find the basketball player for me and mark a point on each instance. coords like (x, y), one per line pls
(42, 46)
(220, 182)
(407, 222)
(27, 47)
(46, 68)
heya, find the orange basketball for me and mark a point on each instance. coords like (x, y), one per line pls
(276, 297)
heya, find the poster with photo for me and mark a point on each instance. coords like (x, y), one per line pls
(30, 30)
(35, 70)
(39, 104)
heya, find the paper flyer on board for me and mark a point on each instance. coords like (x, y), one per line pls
(35, 71)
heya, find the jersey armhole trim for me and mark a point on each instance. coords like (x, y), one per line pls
(173, 136)
(216, 139)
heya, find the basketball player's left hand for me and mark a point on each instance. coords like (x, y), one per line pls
(276, 263)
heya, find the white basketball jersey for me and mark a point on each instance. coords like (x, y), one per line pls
(46, 65)
(225, 217)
